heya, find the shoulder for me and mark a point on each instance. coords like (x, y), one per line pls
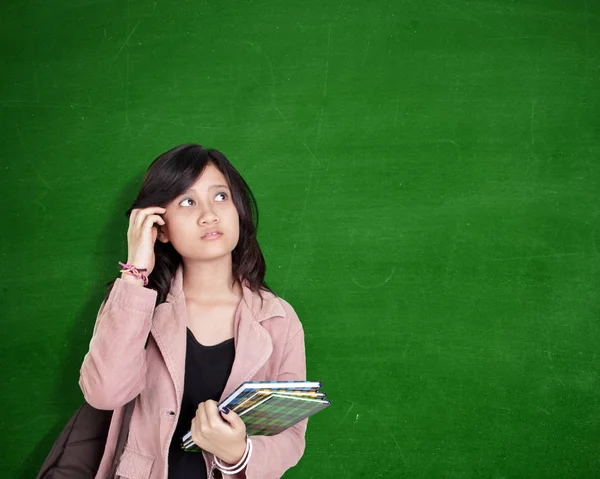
(276, 312)
(290, 312)
(293, 325)
(272, 311)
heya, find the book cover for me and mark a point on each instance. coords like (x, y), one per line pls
(278, 412)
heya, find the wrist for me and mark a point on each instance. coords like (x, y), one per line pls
(137, 273)
(240, 465)
(237, 454)
(132, 279)
(141, 265)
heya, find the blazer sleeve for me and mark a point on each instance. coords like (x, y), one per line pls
(114, 369)
(273, 455)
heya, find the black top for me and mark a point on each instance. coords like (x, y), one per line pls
(207, 369)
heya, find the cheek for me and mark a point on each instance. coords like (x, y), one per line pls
(233, 217)
(236, 223)
(235, 226)
(178, 229)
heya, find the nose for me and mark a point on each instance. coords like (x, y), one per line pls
(207, 217)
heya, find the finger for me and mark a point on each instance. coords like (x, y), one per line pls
(233, 419)
(212, 412)
(143, 214)
(133, 216)
(203, 423)
(196, 434)
(150, 220)
(142, 221)
(211, 407)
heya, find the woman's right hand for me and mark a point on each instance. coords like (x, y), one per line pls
(141, 236)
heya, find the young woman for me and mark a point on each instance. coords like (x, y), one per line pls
(188, 321)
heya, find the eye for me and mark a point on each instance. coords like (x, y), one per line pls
(223, 194)
(183, 201)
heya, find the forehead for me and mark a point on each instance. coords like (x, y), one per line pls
(210, 176)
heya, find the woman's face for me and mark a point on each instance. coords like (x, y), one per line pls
(203, 223)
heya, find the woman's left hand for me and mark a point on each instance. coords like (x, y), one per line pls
(223, 435)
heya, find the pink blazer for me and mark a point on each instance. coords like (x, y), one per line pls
(269, 345)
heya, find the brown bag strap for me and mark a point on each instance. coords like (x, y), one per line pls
(122, 438)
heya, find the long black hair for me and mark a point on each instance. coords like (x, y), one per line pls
(170, 175)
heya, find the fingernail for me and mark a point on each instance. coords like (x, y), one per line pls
(225, 410)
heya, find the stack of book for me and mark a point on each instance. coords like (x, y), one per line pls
(269, 407)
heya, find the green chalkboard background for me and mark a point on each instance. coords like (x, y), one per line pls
(428, 177)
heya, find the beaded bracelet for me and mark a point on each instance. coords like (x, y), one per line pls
(138, 273)
(243, 462)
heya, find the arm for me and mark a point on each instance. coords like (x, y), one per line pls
(114, 369)
(273, 455)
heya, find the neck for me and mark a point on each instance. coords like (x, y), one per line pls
(208, 279)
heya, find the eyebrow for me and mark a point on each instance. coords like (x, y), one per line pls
(210, 188)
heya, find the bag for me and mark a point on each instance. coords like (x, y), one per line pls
(78, 450)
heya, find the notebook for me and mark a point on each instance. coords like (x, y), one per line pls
(257, 396)
(249, 388)
(276, 412)
(269, 407)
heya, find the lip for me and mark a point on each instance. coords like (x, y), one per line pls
(213, 235)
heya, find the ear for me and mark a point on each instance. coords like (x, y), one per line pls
(162, 235)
